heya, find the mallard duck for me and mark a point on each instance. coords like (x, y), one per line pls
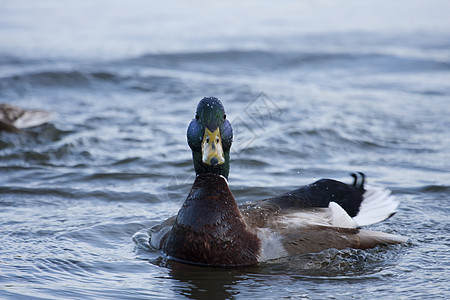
(211, 229)
(14, 119)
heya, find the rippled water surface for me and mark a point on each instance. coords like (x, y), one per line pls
(313, 89)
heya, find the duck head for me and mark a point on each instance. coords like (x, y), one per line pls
(210, 136)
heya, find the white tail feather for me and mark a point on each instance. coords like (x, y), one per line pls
(378, 204)
(340, 218)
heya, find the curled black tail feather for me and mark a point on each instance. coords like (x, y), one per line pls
(363, 178)
(355, 178)
(358, 181)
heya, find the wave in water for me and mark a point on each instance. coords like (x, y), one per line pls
(131, 72)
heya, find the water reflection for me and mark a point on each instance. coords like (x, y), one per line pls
(288, 274)
(201, 282)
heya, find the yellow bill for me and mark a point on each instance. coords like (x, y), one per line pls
(212, 152)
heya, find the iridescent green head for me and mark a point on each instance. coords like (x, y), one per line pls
(210, 136)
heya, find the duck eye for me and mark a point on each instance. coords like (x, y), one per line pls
(224, 116)
(197, 117)
(217, 140)
(207, 140)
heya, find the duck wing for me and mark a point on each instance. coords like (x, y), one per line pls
(365, 206)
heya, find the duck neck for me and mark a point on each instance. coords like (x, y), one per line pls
(209, 228)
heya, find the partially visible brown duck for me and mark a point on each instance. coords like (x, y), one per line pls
(14, 119)
(211, 229)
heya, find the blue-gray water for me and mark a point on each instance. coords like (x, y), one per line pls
(313, 89)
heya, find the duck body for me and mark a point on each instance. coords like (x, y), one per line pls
(211, 229)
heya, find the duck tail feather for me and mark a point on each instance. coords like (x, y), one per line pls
(359, 180)
(377, 205)
(340, 218)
